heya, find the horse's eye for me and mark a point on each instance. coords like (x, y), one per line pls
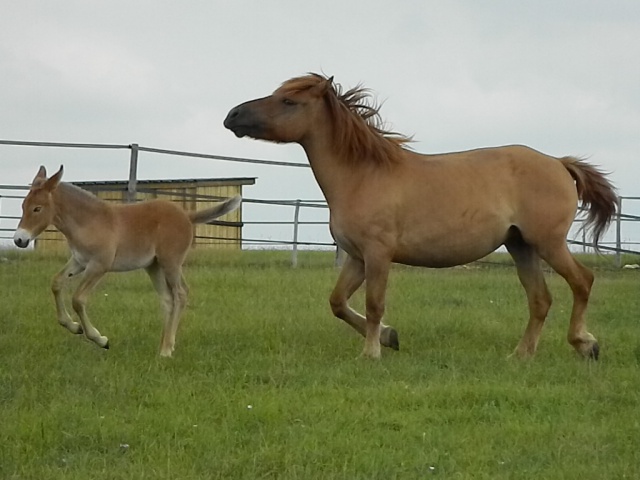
(288, 102)
(37, 209)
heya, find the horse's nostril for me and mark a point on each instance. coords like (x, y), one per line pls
(21, 242)
(235, 111)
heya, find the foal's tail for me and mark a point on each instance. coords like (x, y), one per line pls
(598, 195)
(209, 214)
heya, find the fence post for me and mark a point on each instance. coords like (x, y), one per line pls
(294, 252)
(619, 233)
(133, 172)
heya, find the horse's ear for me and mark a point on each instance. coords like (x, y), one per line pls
(53, 182)
(323, 87)
(40, 177)
(328, 85)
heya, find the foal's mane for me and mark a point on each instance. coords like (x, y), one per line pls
(80, 194)
(359, 133)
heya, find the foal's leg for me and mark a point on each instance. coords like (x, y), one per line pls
(580, 279)
(180, 291)
(90, 279)
(350, 279)
(160, 284)
(172, 289)
(60, 280)
(530, 273)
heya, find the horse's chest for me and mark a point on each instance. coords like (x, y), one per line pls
(345, 239)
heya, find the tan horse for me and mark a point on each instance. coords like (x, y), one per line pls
(389, 204)
(104, 237)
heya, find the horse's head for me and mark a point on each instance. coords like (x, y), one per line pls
(286, 115)
(312, 108)
(38, 210)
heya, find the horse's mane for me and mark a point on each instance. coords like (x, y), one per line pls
(80, 195)
(359, 132)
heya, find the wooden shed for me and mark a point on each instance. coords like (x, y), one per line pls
(191, 194)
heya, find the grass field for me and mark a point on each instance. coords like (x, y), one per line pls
(265, 383)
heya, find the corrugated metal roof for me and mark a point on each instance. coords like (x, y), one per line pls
(181, 181)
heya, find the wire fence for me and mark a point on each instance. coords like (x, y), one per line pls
(621, 243)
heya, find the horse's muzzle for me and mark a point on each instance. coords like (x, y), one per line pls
(233, 122)
(242, 122)
(21, 238)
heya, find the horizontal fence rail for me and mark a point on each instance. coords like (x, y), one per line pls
(618, 246)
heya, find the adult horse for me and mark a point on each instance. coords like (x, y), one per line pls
(390, 204)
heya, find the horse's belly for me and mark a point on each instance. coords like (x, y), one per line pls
(447, 252)
(441, 259)
(125, 263)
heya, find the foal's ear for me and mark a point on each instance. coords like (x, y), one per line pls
(53, 182)
(40, 177)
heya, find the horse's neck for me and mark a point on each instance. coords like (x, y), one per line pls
(75, 208)
(336, 176)
(329, 170)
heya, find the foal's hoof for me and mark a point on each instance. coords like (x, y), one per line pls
(594, 353)
(389, 338)
(106, 345)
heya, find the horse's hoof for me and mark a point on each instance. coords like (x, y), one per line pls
(106, 346)
(594, 353)
(389, 338)
(394, 343)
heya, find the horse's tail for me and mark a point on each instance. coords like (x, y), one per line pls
(598, 195)
(209, 214)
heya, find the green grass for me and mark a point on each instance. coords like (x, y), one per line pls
(265, 383)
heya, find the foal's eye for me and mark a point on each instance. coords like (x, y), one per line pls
(37, 209)
(288, 102)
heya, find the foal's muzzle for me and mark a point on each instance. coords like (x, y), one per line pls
(21, 238)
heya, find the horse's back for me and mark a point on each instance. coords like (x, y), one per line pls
(155, 229)
(513, 174)
(534, 192)
(460, 206)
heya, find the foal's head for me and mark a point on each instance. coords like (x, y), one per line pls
(38, 210)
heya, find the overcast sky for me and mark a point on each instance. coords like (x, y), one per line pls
(560, 76)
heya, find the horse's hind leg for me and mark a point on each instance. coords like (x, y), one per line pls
(60, 280)
(173, 289)
(539, 299)
(181, 293)
(350, 279)
(580, 279)
(157, 276)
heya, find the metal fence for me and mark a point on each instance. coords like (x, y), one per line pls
(619, 245)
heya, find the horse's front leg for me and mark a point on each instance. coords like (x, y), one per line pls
(60, 280)
(92, 276)
(350, 279)
(376, 277)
